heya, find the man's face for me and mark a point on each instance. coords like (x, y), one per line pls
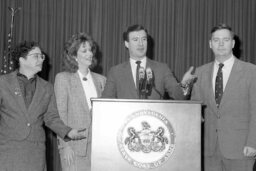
(33, 61)
(84, 55)
(137, 44)
(222, 43)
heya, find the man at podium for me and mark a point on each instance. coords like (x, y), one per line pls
(141, 77)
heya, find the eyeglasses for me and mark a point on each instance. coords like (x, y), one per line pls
(37, 56)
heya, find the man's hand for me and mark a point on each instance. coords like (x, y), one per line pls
(188, 77)
(249, 151)
(77, 134)
(68, 155)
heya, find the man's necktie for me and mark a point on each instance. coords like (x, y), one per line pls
(219, 85)
(137, 74)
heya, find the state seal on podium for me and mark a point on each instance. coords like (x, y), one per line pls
(146, 139)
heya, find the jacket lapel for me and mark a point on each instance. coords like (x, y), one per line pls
(77, 89)
(233, 79)
(149, 64)
(78, 92)
(129, 84)
(211, 94)
(15, 89)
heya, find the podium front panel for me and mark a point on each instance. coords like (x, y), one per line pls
(135, 135)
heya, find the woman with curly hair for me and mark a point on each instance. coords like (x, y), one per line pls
(73, 88)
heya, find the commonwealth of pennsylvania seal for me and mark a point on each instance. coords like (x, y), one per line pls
(146, 139)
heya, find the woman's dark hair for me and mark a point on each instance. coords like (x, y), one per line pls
(21, 50)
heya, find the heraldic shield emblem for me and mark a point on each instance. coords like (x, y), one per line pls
(146, 139)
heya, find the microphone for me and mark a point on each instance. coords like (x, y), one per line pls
(149, 81)
(141, 73)
(141, 80)
(150, 84)
(149, 73)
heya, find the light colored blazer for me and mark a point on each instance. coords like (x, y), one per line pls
(120, 83)
(73, 107)
(233, 125)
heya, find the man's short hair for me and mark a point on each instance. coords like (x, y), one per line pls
(133, 28)
(222, 26)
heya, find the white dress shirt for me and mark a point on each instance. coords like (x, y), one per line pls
(226, 70)
(88, 86)
(134, 67)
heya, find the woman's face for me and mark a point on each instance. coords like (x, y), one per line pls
(84, 55)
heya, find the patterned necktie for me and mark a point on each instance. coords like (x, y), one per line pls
(137, 73)
(219, 85)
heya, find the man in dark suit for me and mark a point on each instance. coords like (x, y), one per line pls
(227, 88)
(122, 79)
(26, 103)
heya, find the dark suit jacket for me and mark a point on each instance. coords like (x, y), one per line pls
(22, 127)
(19, 123)
(120, 83)
(233, 125)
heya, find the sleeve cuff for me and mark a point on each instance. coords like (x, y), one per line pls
(185, 88)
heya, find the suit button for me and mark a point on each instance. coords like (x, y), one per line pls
(28, 124)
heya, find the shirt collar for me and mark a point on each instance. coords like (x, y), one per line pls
(22, 76)
(228, 63)
(143, 62)
(88, 76)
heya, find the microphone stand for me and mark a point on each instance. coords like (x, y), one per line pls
(144, 91)
(147, 89)
(141, 88)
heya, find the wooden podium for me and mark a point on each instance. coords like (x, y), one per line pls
(135, 135)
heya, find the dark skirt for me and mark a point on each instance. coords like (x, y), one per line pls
(22, 156)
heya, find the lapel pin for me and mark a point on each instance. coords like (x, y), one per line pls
(17, 92)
